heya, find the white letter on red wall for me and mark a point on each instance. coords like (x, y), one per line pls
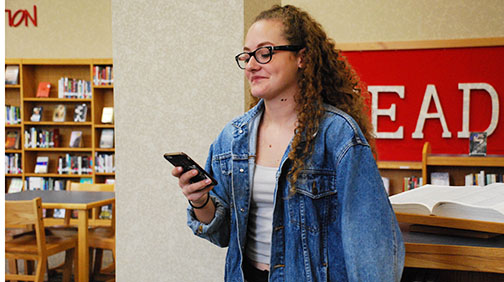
(391, 112)
(430, 93)
(467, 87)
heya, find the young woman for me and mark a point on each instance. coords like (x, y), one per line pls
(299, 196)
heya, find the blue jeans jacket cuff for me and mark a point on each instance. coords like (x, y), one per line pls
(201, 229)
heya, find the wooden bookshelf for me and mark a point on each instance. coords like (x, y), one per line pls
(458, 165)
(396, 171)
(13, 97)
(23, 95)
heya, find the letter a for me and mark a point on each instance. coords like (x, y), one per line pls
(430, 93)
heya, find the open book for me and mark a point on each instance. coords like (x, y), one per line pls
(464, 202)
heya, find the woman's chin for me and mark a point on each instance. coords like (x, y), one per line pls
(258, 93)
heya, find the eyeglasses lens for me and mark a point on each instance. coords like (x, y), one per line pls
(262, 55)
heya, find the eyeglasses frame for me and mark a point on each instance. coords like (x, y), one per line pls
(293, 48)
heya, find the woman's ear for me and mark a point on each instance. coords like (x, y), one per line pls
(301, 55)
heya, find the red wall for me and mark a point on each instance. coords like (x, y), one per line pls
(445, 69)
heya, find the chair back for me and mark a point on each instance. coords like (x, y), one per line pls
(18, 213)
(89, 187)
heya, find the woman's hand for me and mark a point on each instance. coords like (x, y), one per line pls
(194, 192)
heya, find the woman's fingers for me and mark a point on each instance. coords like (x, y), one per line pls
(177, 171)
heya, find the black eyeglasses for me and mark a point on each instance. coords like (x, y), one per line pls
(262, 54)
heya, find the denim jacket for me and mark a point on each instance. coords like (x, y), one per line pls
(338, 226)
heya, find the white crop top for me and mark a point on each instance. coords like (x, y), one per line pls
(261, 214)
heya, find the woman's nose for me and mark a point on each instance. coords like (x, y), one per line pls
(252, 64)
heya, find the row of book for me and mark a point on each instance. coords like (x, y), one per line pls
(103, 75)
(12, 115)
(75, 164)
(67, 164)
(36, 183)
(41, 138)
(13, 164)
(45, 183)
(412, 182)
(104, 163)
(482, 178)
(74, 88)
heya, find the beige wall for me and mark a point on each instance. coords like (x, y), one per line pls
(404, 20)
(65, 29)
(176, 85)
(82, 28)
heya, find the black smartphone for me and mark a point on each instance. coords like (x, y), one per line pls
(184, 161)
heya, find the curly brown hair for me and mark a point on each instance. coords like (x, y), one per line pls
(326, 77)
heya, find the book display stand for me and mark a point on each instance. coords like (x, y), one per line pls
(439, 242)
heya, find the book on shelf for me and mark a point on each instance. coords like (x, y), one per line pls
(86, 180)
(13, 163)
(12, 140)
(80, 113)
(461, 202)
(106, 212)
(43, 90)
(440, 178)
(45, 183)
(104, 163)
(42, 164)
(412, 182)
(71, 164)
(103, 75)
(386, 184)
(16, 185)
(107, 115)
(483, 178)
(59, 113)
(35, 183)
(12, 114)
(478, 144)
(41, 138)
(36, 114)
(11, 75)
(59, 185)
(110, 181)
(75, 139)
(74, 88)
(59, 213)
(107, 138)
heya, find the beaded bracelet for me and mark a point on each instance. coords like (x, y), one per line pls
(200, 207)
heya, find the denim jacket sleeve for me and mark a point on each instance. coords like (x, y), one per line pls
(372, 241)
(217, 231)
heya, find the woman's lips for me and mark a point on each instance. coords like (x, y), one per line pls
(256, 78)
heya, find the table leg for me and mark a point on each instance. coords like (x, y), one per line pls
(83, 246)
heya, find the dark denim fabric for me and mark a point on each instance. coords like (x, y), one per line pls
(338, 226)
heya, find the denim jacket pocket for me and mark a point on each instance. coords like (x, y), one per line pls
(316, 184)
(314, 202)
(223, 164)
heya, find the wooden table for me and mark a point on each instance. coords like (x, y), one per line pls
(435, 251)
(83, 202)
